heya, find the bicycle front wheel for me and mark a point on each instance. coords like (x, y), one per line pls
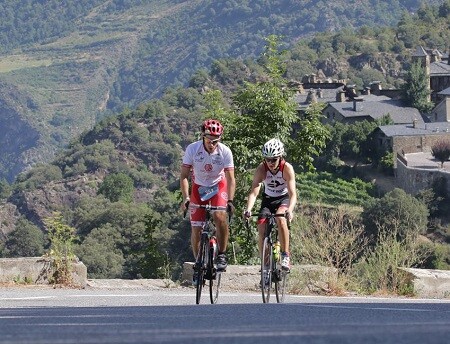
(201, 268)
(266, 269)
(214, 282)
(281, 284)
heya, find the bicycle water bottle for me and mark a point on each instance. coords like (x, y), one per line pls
(276, 251)
(213, 245)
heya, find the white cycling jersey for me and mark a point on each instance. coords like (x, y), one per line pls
(208, 169)
(274, 184)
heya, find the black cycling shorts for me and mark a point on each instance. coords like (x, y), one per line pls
(271, 204)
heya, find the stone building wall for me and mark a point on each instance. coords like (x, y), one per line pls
(416, 144)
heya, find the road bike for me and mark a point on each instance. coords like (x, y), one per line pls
(272, 275)
(205, 265)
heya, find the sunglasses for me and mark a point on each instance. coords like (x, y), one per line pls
(271, 160)
(212, 141)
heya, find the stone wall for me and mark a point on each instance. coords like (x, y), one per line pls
(412, 180)
(37, 270)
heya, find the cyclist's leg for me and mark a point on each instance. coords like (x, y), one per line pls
(221, 222)
(266, 208)
(283, 233)
(261, 234)
(197, 216)
(195, 239)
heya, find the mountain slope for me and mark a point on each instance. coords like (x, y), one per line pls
(110, 55)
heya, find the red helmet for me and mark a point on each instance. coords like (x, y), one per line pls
(212, 127)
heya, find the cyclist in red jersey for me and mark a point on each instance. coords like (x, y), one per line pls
(210, 165)
(279, 196)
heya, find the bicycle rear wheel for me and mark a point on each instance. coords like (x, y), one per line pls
(266, 269)
(200, 265)
(214, 282)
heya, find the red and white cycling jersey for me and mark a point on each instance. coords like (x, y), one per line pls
(208, 169)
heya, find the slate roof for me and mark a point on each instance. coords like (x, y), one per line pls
(376, 109)
(445, 92)
(420, 130)
(328, 96)
(439, 68)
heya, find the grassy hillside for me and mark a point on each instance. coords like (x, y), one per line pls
(88, 60)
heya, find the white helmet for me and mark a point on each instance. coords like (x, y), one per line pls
(273, 148)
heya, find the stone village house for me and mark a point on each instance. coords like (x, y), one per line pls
(411, 132)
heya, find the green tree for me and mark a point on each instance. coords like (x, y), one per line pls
(27, 240)
(100, 254)
(267, 109)
(416, 91)
(5, 188)
(117, 187)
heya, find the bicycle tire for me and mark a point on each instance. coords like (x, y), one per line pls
(281, 285)
(280, 279)
(266, 271)
(214, 282)
(201, 269)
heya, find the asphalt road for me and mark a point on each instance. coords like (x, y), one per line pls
(52, 316)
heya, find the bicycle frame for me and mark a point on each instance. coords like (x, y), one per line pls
(205, 263)
(271, 272)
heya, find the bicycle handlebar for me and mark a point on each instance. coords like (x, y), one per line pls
(207, 207)
(267, 216)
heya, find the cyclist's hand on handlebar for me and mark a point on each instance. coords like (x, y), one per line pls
(247, 214)
(184, 207)
(289, 216)
(230, 208)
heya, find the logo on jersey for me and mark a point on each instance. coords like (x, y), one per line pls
(208, 167)
(217, 160)
(274, 183)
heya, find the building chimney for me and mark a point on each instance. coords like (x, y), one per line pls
(340, 96)
(301, 90)
(319, 93)
(311, 97)
(415, 123)
(375, 87)
(357, 104)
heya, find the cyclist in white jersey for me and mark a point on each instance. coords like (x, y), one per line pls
(279, 196)
(210, 165)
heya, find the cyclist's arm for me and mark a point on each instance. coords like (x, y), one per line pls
(258, 177)
(231, 183)
(184, 182)
(289, 176)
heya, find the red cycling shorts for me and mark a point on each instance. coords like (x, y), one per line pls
(219, 198)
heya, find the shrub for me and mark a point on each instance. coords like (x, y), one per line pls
(441, 151)
(61, 238)
(379, 270)
(397, 210)
(330, 237)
